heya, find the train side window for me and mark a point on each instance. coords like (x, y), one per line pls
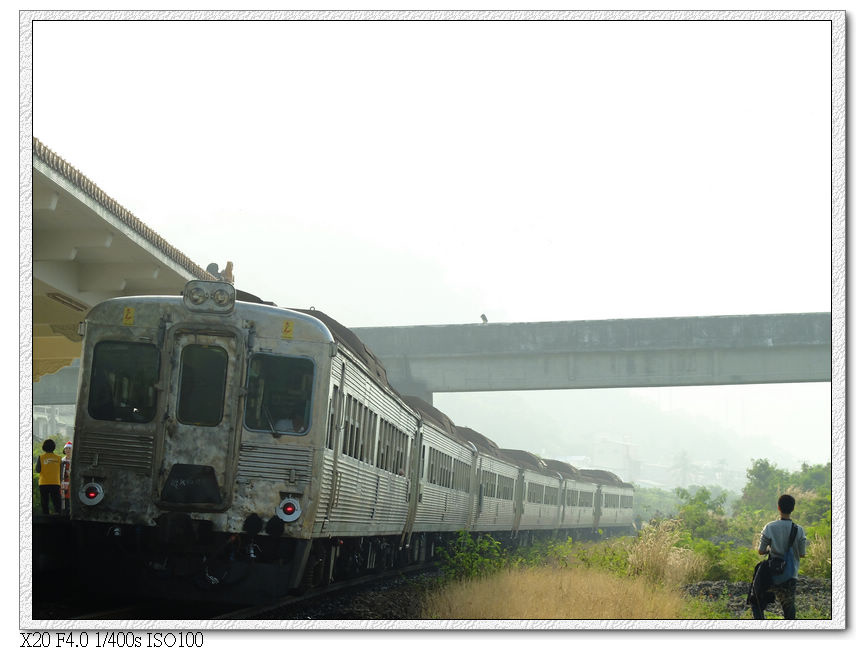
(585, 499)
(397, 451)
(402, 448)
(627, 501)
(373, 429)
(535, 493)
(334, 402)
(203, 370)
(346, 440)
(505, 488)
(349, 428)
(362, 431)
(355, 430)
(489, 483)
(279, 394)
(611, 500)
(385, 444)
(432, 465)
(123, 381)
(436, 466)
(366, 426)
(379, 445)
(422, 460)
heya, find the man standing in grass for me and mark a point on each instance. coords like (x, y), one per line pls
(775, 539)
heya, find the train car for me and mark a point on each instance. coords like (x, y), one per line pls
(576, 497)
(446, 477)
(539, 506)
(498, 493)
(613, 504)
(231, 449)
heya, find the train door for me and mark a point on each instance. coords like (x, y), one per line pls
(473, 511)
(563, 499)
(519, 499)
(597, 508)
(480, 501)
(198, 433)
(415, 470)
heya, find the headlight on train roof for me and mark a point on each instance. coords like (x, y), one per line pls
(221, 297)
(197, 295)
(203, 295)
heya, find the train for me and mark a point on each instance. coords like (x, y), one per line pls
(226, 448)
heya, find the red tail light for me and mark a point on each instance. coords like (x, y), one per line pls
(91, 494)
(288, 509)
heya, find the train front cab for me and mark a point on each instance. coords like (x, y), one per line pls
(195, 431)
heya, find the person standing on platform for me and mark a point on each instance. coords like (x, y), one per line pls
(48, 468)
(65, 476)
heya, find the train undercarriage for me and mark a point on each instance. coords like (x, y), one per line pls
(183, 558)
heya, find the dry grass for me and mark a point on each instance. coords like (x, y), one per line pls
(817, 562)
(800, 493)
(551, 593)
(655, 556)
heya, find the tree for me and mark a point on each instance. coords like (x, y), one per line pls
(766, 482)
(702, 514)
(814, 478)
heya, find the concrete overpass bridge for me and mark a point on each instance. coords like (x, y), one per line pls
(755, 349)
(87, 247)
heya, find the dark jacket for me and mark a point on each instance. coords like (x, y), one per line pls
(759, 593)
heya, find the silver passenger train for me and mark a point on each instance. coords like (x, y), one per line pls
(230, 449)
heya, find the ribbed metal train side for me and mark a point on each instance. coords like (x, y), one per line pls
(537, 514)
(496, 509)
(357, 496)
(578, 507)
(442, 507)
(612, 514)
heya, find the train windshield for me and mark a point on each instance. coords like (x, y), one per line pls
(203, 369)
(279, 394)
(123, 381)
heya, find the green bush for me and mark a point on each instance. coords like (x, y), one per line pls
(469, 557)
(712, 555)
(609, 555)
(544, 553)
(738, 562)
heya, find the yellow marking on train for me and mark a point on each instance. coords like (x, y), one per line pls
(288, 329)
(129, 315)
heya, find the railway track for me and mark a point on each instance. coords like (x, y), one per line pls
(307, 605)
(382, 595)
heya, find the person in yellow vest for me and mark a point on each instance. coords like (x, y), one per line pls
(48, 468)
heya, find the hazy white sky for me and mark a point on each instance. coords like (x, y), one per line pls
(398, 173)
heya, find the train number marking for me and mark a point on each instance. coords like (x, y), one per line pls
(288, 329)
(129, 315)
